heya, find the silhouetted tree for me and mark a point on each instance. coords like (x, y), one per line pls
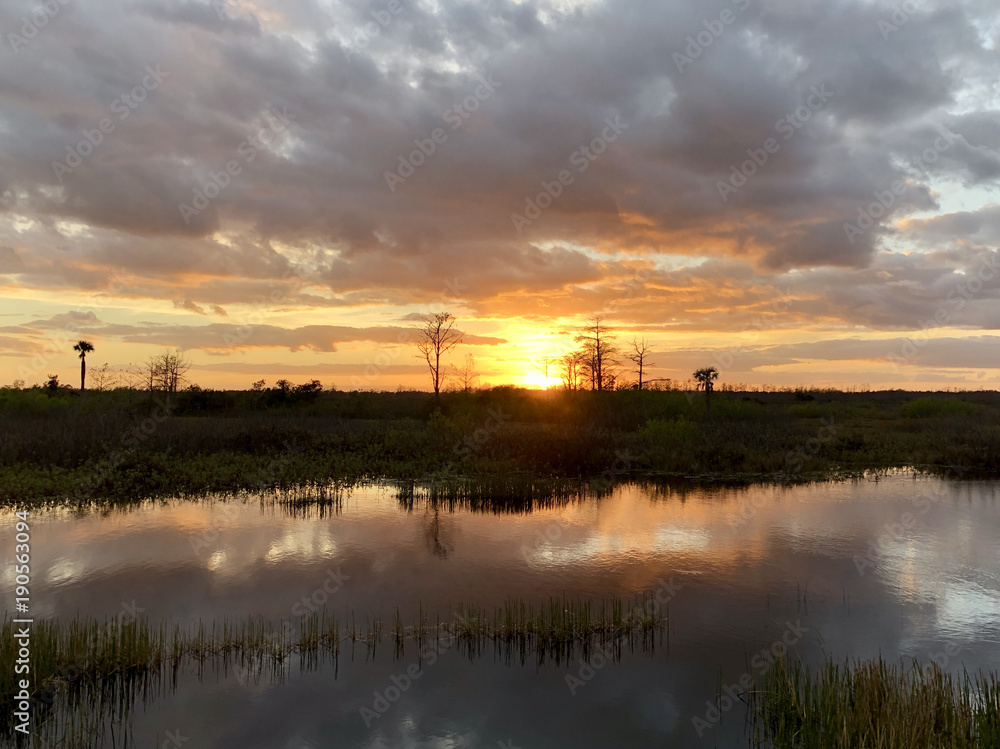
(84, 347)
(467, 375)
(599, 352)
(166, 371)
(639, 356)
(570, 370)
(706, 381)
(104, 377)
(437, 337)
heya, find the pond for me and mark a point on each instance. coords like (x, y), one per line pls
(902, 567)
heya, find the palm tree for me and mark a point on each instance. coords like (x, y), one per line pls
(706, 381)
(84, 347)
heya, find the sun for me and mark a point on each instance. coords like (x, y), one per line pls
(537, 380)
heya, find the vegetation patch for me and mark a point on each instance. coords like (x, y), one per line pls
(872, 704)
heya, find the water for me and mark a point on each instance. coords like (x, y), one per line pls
(899, 567)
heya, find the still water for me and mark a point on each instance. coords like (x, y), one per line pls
(902, 567)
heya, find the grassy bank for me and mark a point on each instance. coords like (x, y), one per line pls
(875, 705)
(125, 445)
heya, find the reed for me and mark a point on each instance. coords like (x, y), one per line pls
(88, 672)
(874, 705)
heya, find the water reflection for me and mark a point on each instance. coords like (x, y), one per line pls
(838, 557)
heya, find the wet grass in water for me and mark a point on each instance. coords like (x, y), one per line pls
(874, 705)
(87, 674)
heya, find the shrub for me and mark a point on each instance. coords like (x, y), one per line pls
(923, 408)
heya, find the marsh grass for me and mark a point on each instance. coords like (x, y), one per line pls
(98, 449)
(88, 674)
(874, 705)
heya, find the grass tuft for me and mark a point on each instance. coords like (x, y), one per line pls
(874, 705)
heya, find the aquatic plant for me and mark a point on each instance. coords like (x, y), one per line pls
(87, 674)
(874, 705)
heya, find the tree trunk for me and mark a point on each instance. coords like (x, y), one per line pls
(83, 373)
(437, 374)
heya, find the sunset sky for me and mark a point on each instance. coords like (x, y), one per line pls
(796, 192)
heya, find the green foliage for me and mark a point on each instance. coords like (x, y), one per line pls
(737, 409)
(924, 408)
(33, 401)
(116, 445)
(673, 432)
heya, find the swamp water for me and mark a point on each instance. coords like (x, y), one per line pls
(902, 567)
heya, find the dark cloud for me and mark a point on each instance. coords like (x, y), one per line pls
(276, 124)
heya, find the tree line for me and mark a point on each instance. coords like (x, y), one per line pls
(164, 373)
(598, 363)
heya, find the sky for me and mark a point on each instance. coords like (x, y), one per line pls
(795, 192)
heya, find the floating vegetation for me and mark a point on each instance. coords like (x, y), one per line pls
(88, 674)
(871, 704)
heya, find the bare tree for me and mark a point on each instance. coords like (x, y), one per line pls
(639, 356)
(599, 352)
(104, 378)
(571, 370)
(437, 337)
(84, 347)
(166, 371)
(467, 375)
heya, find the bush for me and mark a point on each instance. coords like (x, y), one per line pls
(675, 432)
(923, 408)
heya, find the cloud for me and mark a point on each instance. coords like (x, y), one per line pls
(301, 218)
(222, 337)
